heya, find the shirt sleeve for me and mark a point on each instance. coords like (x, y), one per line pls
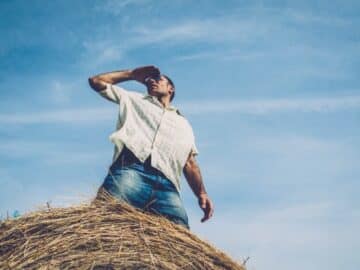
(194, 150)
(113, 93)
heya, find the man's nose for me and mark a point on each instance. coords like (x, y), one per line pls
(152, 80)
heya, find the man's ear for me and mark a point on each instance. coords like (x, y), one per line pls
(171, 89)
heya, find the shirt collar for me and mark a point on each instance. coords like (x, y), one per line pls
(171, 107)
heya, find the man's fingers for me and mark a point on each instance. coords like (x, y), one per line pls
(206, 216)
(208, 211)
(203, 207)
(202, 202)
(150, 70)
(141, 73)
(211, 210)
(149, 67)
(211, 206)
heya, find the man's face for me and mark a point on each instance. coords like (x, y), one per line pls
(159, 87)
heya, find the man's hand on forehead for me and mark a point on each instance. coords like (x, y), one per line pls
(141, 73)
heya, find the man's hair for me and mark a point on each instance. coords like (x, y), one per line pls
(172, 85)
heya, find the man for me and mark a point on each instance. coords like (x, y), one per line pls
(154, 143)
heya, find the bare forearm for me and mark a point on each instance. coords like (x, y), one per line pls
(194, 179)
(115, 76)
(193, 176)
(98, 82)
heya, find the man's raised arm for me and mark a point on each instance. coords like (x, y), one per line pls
(98, 82)
(193, 176)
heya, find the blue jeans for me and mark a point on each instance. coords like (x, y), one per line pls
(146, 188)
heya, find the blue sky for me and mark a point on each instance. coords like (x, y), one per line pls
(271, 89)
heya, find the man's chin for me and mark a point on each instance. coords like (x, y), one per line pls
(153, 92)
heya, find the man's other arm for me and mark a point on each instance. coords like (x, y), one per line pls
(193, 176)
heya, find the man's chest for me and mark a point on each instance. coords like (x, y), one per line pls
(148, 115)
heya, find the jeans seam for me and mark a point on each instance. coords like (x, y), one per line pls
(159, 180)
(151, 200)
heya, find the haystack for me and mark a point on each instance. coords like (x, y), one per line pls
(104, 234)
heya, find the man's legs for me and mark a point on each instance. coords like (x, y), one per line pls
(174, 212)
(167, 202)
(145, 188)
(128, 185)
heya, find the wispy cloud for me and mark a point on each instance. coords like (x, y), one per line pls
(117, 7)
(102, 51)
(229, 29)
(66, 116)
(280, 235)
(224, 55)
(309, 17)
(265, 106)
(220, 29)
(71, 198)
(234, 30)
(293, 51)
(60, 92)
(49, 153)
(257, 107)
(291, 159)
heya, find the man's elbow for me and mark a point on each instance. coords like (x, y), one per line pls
(96, 84)
(92, 82)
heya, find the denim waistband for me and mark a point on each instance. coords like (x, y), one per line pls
(131, 160)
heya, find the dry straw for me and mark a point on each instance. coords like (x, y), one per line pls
(104, 234)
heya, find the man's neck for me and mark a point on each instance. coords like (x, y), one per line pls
(164, 100)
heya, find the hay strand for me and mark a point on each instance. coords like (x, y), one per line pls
(104, 234)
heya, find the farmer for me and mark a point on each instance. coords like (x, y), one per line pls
(154, 144)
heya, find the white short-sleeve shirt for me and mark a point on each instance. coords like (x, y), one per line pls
(146, 127)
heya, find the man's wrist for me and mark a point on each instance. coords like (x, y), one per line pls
(130, 74)
(202, 194)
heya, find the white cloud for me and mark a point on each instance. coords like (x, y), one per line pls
(117, 7)
(50, 153)
(71, 198)
(307, 235)
(309, 17)
(296, 144)
(19, 149)
(229, 27)
(66, 116)
(258, 107)
(224, 55)
(284, 167)
(221, 30)
(311, 68)
(102, 51)
(60, 92)
(266, 106)
(242, 26)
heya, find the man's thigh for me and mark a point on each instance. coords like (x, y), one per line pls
(128, 185)
(170, 205)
